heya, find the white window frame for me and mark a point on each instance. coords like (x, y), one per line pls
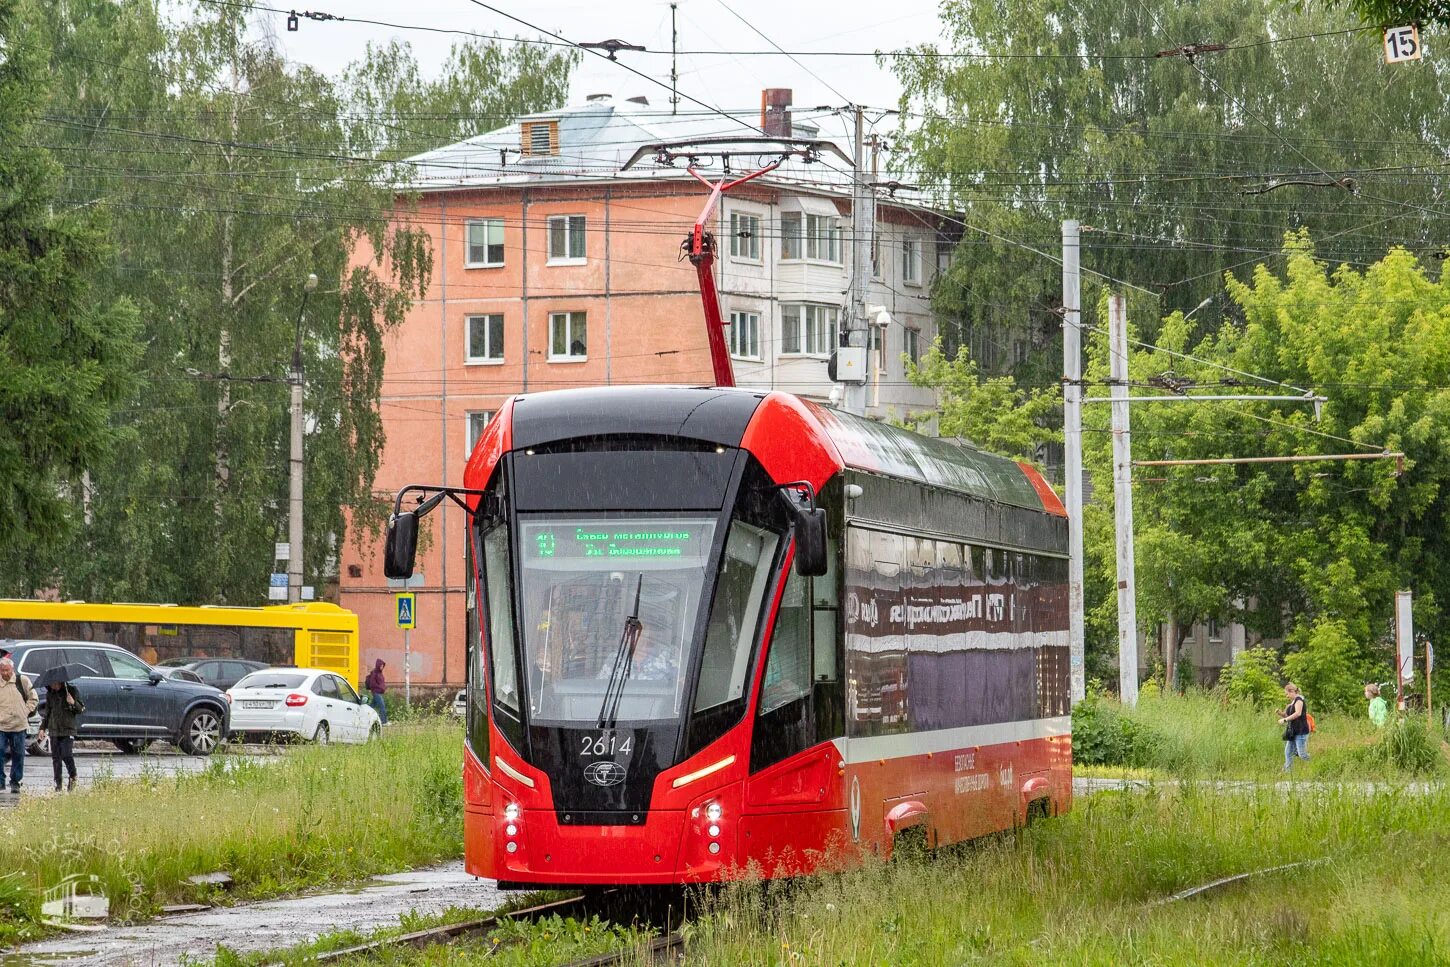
(816, 327)
(485, 224)
(822, 234)
(470, 439)
(486, 358)
(569, 234)
(740, 320)
(568, 320)
(745, 249)
(911, 260)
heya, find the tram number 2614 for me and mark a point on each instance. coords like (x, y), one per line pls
(606, 743)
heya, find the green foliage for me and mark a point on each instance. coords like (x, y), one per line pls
(67, 343)
(1386, 13)
(1327, 669)
(991, 411)
(1102, 735)
(1155, 156)
(1406, 743)
(1254, 678)
(231, 174)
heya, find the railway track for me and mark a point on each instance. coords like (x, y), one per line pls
(664, 948)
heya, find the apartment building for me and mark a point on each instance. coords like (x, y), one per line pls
(554, 268)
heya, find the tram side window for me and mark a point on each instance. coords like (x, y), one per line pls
(501, 618)
(825, 607)
(477, 716)
(788, 668)
(749, 552)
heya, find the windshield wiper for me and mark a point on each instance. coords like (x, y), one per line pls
(623, 661)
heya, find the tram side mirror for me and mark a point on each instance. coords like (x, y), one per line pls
(810, 542)
(402, 545)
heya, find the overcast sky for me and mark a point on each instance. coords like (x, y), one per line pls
(731, 82)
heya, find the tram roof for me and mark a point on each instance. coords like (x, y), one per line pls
(719, 415)
(951, 464)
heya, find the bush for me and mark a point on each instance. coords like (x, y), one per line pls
(1406, 744)
(1102, 736)
(1327, 669)
(1254, 677)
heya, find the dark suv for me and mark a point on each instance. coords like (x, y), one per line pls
(127, 701)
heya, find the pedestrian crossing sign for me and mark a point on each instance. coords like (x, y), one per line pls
(407, 610)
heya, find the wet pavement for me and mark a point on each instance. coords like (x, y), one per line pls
(101, 761)
(262, 926)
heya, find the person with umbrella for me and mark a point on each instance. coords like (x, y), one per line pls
(63, 707)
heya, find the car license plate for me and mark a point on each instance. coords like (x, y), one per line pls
(258, 704)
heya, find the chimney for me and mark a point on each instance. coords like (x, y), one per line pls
(639, 100)
(775, 112)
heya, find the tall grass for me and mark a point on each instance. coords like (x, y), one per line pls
(317, 816)
(1086, 888)
(1207, 735)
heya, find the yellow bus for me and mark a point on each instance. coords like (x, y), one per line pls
(313, 634)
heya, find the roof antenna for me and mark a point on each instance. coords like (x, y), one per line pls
(674, 64)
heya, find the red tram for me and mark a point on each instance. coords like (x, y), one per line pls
(711, 629)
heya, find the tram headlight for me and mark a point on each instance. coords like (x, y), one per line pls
(511, 812)
(714, 831)
(713, 812)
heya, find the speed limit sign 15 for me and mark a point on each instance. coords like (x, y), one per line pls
(1402, 44)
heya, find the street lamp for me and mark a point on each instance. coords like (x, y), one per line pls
(294, 517)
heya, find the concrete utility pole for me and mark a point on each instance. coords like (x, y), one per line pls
(1123, 503)
(863, 227)
(674, 63)
(294, 482)
(1072, 446)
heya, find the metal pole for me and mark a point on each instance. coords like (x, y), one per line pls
(674, 63)
(862, 211)
(294, 466)
(408, 667)
(1123, 502)
(1072, 446)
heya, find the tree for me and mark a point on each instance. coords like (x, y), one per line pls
(66, 350)
(992, 412)
(234, 174)
(1182, 168)
(1295, 549)
(1388, 13)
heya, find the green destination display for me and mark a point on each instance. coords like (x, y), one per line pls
(618, 540)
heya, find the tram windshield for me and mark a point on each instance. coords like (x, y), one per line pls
(611, 606)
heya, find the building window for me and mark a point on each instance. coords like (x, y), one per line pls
(566, 238)
(911, 261)
(876, 256)
(810, 236)
(745, 237)
(913, 346)
(878, 347)
(823, 238)
(745, 335)
(485, 243)
(790, 235)
(485, 338)
(477, 420)
(568, 337)
(808, 329)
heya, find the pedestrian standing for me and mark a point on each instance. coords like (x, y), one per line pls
(1295, 720)
(376, 686)
(1379, 709)
(17, 701)
(60, 720)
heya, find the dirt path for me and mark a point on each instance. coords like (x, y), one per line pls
(259, 926)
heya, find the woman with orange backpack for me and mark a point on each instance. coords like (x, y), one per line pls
(1297, 725)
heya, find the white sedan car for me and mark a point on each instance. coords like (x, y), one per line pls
(305, 702)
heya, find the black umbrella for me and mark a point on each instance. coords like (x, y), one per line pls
(60, 674)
